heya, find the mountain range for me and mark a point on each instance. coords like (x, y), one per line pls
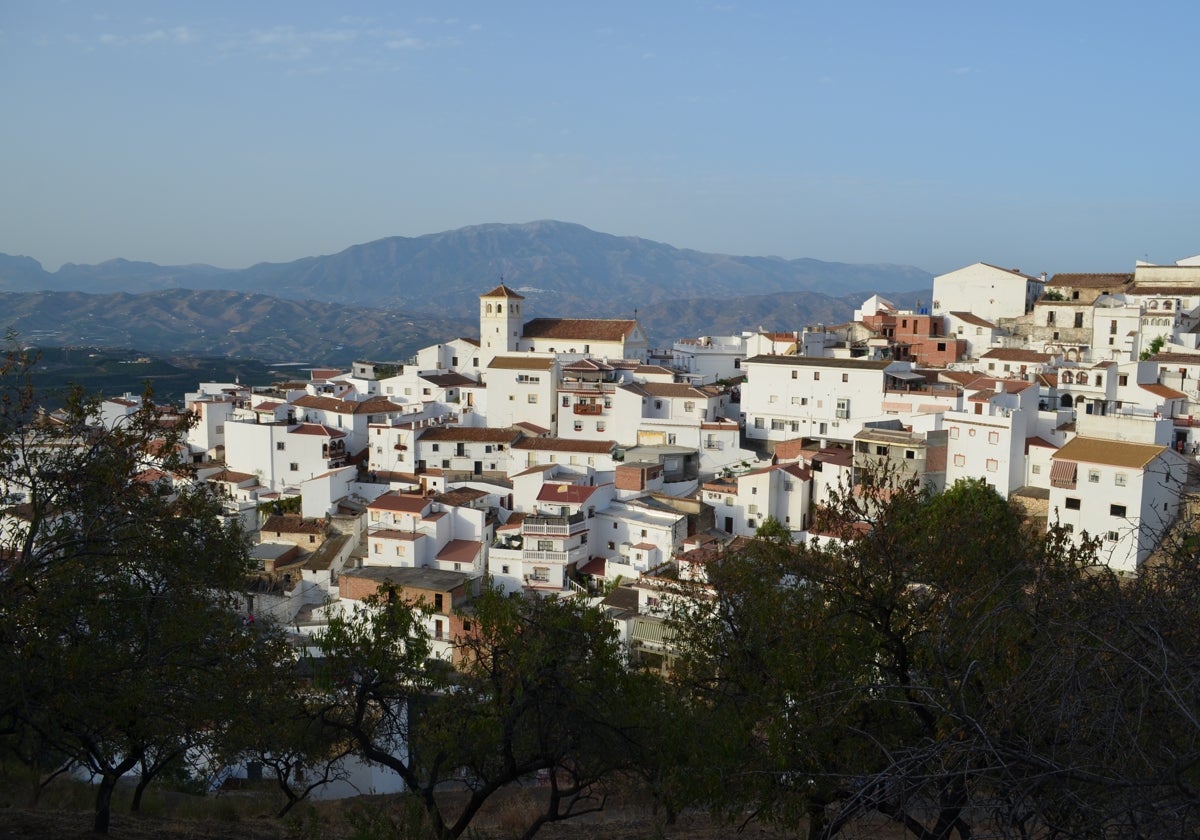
(401, 292)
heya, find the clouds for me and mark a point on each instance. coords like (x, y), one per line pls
(357, 39)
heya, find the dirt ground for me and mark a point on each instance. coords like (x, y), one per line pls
(370, 818)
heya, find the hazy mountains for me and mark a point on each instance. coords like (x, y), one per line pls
(435, 280)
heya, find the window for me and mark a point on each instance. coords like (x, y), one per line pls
(1119, 479)
(689, 406)
(753, 491)
(993, 437)
(960, 460)
(1093, 476)
(758, 423)
(280, 446)
(992, 465)
(1123, 379)
(777, 425)
(845, 377)
(533, 398)
(816, 375)
(881, 450)
(579, 425)
(843, 408)
(294, 467)
(1072, 503)
(954, 432)
(376, 548)
(600, 426)
(658, 404)
(1078, 320)
(1036, 469)
(910, 455)
(1116, 510)
(1113, 536)
(795, 374)
(774, 398)
(795, 401)
(795, 425)
(437, 602)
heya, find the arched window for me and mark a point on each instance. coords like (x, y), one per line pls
(499, 308)
(1068, 378)
(1167, 305)
(489, 309)
(1081, 378)
(1154, 304)
(1066, 401)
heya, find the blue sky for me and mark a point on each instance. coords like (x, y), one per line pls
(1047, 136)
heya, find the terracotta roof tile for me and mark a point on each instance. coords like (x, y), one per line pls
(598, 329)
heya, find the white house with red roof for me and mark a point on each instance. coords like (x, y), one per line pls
(979, 333)
(1126, 494)
(602, 338)
(636, 536)
(987, 439)
(987, 291)
(449, 531)
(282, 455)
(351, 416)
(522, 388)
(829, 399)
(743, 502)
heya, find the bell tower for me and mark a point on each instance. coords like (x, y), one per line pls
(499, 321)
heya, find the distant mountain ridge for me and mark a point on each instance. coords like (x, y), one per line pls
(563, 268)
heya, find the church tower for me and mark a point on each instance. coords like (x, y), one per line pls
(499, 322)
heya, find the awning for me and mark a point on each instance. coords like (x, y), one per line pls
(907, 376)
(650, 630)
(1062, 473)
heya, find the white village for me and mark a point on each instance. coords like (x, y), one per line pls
(560, 456)
(567, 459)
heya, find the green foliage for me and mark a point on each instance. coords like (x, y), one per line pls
(943, 667)
(541, 687)
(116, 620)
(1155, 346)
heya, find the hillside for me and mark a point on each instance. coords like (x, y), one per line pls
(180, 322)
(232, 324)
(560, 267)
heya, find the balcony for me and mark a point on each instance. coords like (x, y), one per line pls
(588, 387)
(588, 408)
(553, 526)
(534, 556)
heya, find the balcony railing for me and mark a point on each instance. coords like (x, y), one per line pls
(553, 526)
(533, 556)
(588, 408)
(593, 387)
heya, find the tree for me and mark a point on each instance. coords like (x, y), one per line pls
(116, 606)
(540, 688)
(945, 667)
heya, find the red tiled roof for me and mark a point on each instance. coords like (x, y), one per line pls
(400, 503)
(521, 363)
(598, 329)
(1089, 281)
(1163, 391)
(599, 447)
(571, 494)
(472, 434)
(460, 551)
(972, 318)
(318, 429)
(286, 523)
(1016, 354)
(505, 292)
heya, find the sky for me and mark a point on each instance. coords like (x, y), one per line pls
(1044, 136)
